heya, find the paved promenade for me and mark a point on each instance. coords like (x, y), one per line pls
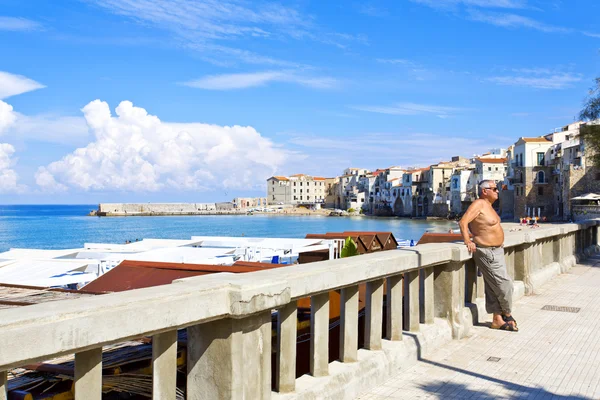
(555, 355)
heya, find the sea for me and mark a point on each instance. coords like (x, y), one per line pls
(68, 226)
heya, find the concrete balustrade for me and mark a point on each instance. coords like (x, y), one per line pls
(228, 319)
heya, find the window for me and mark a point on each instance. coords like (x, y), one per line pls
(540, 190)
(489, 168)
(455, 184)
(300, 197)
(300, 183)
(294, 190)
(440, 186)
(541, 177)
(300, 190)
(496, 168)
(294, 183)
(273, 197)
(295, 198)
(362, 200)
(273, 190)
(307, 190)
(540, 158)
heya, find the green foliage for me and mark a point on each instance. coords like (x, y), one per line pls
(350, 249)
(590, 134)
(361, 211)
(351, 210)
(591, 108)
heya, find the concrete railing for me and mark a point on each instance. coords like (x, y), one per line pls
(431, 293)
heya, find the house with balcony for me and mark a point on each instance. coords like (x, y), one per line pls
(463, 189)
(533, 188)
(383, 201)
(422, 199)
(347, 195)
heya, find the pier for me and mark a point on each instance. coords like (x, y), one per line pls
(432, 342)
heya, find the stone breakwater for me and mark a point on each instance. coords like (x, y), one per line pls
(158, 209)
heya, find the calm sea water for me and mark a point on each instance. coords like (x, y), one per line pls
(67, 226)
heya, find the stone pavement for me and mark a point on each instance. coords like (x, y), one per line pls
(555, 355)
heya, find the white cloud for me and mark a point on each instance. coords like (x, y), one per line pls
(396, 61)
(376, 150)
(514, 21)
(202, 24)
(50, 128)
(18, 24)
(7, 116)
(8, 177)
(411, 109)
(242, 81)
(539, 78)
(135, 151)
(12, 85)
(591, 34)
(447, 4)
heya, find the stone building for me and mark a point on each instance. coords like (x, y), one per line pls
(297, 190)
(279, 190)
(463, 189)
(533, 188)
(422, 193)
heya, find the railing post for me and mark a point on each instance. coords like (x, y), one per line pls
(373, 314)
(319, 334)
(287, 321)
(523, 259)
(449, 284)
(349, 324)
(164, 365)
(88, 374)
(3, 385)
(230, 358)
(394, 308)
(471, 284)
(429, 298)
(411, 300)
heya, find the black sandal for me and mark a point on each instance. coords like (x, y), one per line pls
(509, 319)
(506, 327)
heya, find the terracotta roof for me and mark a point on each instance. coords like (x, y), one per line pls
(492, 160)
(535, 140)
(280, 178)
(318, 178)
(298, 175)
(140, 274)
(393, 179)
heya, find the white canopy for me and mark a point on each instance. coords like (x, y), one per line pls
(588, 196)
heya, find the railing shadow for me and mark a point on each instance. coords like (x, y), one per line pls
(444, 390)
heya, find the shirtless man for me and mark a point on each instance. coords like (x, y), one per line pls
(488, 253)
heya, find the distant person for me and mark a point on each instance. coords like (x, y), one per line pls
(488, 252)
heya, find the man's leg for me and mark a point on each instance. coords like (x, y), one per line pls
(497, 302)
(505, 286)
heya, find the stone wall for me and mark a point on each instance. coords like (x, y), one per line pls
(432, 291)
(131, 209)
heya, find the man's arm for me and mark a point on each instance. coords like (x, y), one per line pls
(472, 212)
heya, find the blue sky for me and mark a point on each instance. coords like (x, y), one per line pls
(172, 100)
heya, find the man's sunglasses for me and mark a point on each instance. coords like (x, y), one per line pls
(495, 189)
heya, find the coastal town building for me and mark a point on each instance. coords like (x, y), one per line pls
(367, 186)
(463, 189)
(249, 202)
(297, 190)
(382, 190)
(533, 195)
(348, 189)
